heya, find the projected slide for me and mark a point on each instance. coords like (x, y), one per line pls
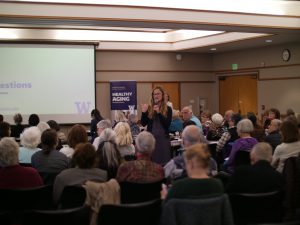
(54, 81)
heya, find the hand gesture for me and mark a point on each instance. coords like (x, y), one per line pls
(156, 108)
(144, 107)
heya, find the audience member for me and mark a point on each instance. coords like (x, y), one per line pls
(119, 117)
(244, 143)
(76, 135)
(48, 160)
(290, 146)
(84, 160)
(198, 184)
(274, 137)
(12, 175)
(1, 118)
(258, 131)
(142, 170)
(61, 136)
(96, 118)
(168, 100)
(30, 139)
(18, 128)
(187, 115)
(134, 127)
(158, 116)
(216, 128)
(33, 120)
(258, 177)
(176, 124)
(43, 126)
(290, 112)
(124, 140)
(102, 125)
(108, 153)
(273, 114)
(227, 116)
(4, 130)
(206, 121)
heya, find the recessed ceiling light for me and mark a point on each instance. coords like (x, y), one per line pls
(213, 49)
(268, 40)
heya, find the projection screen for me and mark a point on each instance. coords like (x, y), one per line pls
(54, 81)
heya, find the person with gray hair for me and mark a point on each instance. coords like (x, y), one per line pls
(18, 128)
(175, 168)
(108, 153)
(274, 136)
(258, 177)
(101, 125)
(12, 175)
(30, 139)
(244, 143)
(142, 170)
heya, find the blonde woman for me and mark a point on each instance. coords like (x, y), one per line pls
(124, 140)
(158, 116)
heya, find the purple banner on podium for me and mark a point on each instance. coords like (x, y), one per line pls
(123, 95)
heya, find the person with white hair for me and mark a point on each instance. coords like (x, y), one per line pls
(12, 175)
(43, 126)
(216, 128)
(30, 139)
(102, 125)
(142, 170)
(258, 177)
(187, 115)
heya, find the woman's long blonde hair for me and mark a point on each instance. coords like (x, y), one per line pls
(163, 106)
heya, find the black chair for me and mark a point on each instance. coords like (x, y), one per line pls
(242, 158)
(48, 178)
(256, 208)
(146, 213)
(18, 200)
(75, 216)
(283, 223)
(6, 218)
(72, 197)
(139, 192)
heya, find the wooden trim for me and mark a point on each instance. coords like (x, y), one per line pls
(145, 7)
(277, 78)
(155, 71)
(150, 82)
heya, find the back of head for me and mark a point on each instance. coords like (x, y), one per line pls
(276, 112)
(175, 114)
(120, 116)
(96, 114)
(289, 131)
(84, 156)
(43, 126)
(4, 129)
(33, 120)
(103, 124)
(31, 137)
(217, 119)
(1, 118)
(53, 125)
(251, 116)
(77, 135)
(49, 140)
(261, 151)
(9, 152)
(290, 112)
(277, 123)
(245, 126)
(18, 118)
(236, 118)
(132, 118)
(192, 135)
(199, 154)
(145, 143)
(123, 134)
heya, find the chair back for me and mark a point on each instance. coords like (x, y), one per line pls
(6, 218)
(139, 192)
(146, 213)
(48, 178)
(250, 208)
(204, 211)
(242, 158)
(75, 216)
(72, 197)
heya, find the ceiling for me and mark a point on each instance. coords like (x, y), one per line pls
(119, 26)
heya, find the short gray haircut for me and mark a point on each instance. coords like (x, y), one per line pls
(103, 124)
(245, 126)
(192, 135)
(31, 137)
(43, 126)
(277, 122)
(108, 134)
(262, 151)
(145, 143)
(9, 152)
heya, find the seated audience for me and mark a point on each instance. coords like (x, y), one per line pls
(84, 159)
(227, 116)
(258, 131)
(206, 121)
(1, 118)
(96, 118)
(272, 114)
(290, 146)
(61, 136)
(187, 115)
(103, 124)
(76, 135)
(124, 140)
(274, 136)
(33, 120)
(175, 168)
(119, 117)
(30, 139)
(290, 112)
(198, 184)
(142, 170)
(18, 128)
(244, 143)
(4, 129)
(43, 126)
(48, 160)
(216, 128)
(258, 177)
(134, 127)
(177, 123)
(108, 153)
(12, 175)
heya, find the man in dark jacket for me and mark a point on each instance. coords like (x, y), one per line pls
(274, 137)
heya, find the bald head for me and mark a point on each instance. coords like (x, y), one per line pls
(186, 113)
(192, 135)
